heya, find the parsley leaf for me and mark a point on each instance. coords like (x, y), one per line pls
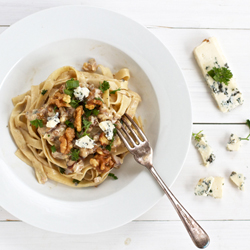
(114, 91)
(113, 176)
(61, 170)
(53, 149)
(221, 74)
(74, 154)
(44, 91)
(104, 86)
(248, 123)
(98, 98)
(197, 136)
(74, 103)
(68, 92)
(87, 112)
(72, 84)
(69, 124)
(55, 109)
(76, 182)
(95, 112)
(37, 123)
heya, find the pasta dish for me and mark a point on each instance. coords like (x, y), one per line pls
(65, 127)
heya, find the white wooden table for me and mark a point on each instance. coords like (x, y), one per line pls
(181, 25)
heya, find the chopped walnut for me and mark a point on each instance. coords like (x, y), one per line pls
(84, 152)
(90, 66)
(78, 118)
(92, 104)
(66, 141)
(103, 140)
(102, 163)
(60, 100)
(94, 93)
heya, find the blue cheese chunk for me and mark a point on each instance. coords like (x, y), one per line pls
(238, 180)
(53, 121)
(108, 128)
(211, 186)
(80, 93)
(204, 186)
(85, 142)
(209, 55)
(234, 143)
(205, 150)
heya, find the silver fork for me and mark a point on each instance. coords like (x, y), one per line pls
(143, 154)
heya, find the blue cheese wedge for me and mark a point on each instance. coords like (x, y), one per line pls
(204, 186)
(238, 180)
(85, 142)
(108, 128)
(205, 150)
(234, 143)
(211, 186)
(53, 121)
(209, 55)
(81, 93)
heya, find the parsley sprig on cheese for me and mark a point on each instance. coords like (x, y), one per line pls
(222, 75)
(197, 136)
(247, 138)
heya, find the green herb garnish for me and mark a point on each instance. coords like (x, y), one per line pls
(74, 154)
(44, 91)
(114, 91)
(197, 136)
(98, 98)
(95, 112)
(37, 123)
(55, 109)
(113, 176)
(68, 92)
(104, 86)
(87, 112)
(76, 182)
(221, 74)
(72, 84)
(69, 124)
(247, 138)
(61, 170)
(74, 103)
(53, 149)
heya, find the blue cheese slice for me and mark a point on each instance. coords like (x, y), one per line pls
(238, 180)
(85, 142)
(205, 150)
(204, 186)
(53, 121)
(234, 143)
(211, 186)
(108, 128)
(209, 55)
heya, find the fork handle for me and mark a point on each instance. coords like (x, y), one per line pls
(197, 234)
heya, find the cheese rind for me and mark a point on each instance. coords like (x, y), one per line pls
(234, 143)
(209, 55)
(238, 180)
(211, 186)
(205, 150)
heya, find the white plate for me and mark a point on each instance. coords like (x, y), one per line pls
(37, 45)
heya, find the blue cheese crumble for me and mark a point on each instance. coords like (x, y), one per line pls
(238, 180)
(205, 150)
(234, 143)
(80, 93)
(53, 120)
(108, 128)
(85, 142)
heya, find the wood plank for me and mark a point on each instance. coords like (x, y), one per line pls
(162, 235)
(237, 51)
(235, 203)
(212, 13)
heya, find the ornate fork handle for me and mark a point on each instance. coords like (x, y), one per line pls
(197, 234)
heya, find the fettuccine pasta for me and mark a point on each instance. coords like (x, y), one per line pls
(65, 127)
